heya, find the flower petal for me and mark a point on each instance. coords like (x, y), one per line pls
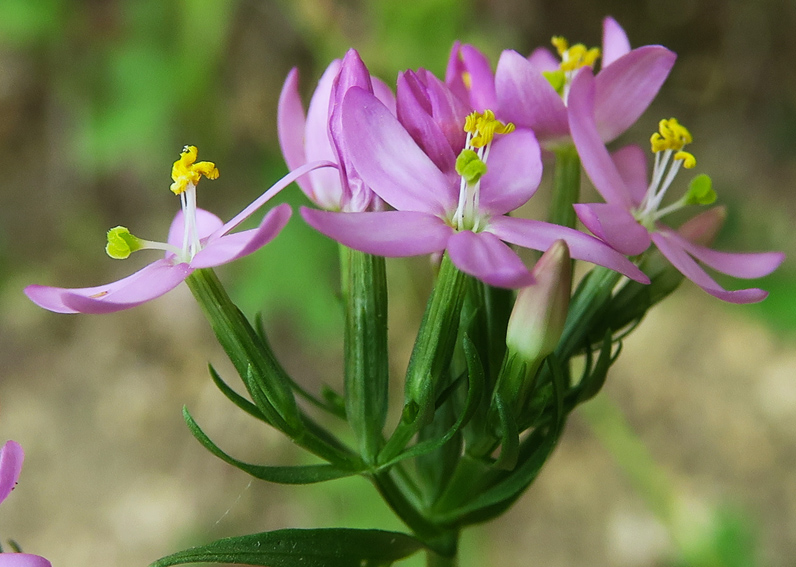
(514, 170)
(615, 42)
(23, 560)
(627, 86)
(544, 60)
(384, 93)
(631, 163)
(390, 233)
(233, 246)
(739, 265)
(593, 155)
(483, 256)
(539, 235)
(326, 187)
(291, 125)
(526, 98)
(482, 80)
(389, 161)
(11, 457)
(146, 284)
(206, 224)
(614, 225)
(689, 268)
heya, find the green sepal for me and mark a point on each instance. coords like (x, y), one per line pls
(474, 393)
(330, 547)
(593, 382)
(510, 437)
(235, 397)
(700, 191)
(307, 474)
(121, 243)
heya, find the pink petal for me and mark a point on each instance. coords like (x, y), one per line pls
(415, 114)
(389, 161)
(544, 60)
(539, 235)
(206, 224)
(326, 187)
(11, 457)
(454, 73)
(390, 233)
(615, 42)
(233, 246)
(483, 256)
(514, 170)
(482, 81)
(291, 125)
(23, 560)
(593, 155)
(448, 110)
(146, 284)
(631, 163)
(694, 272)
(384, 93)
(614, 225)
(739, 265)
(527, 99)
(627, 87)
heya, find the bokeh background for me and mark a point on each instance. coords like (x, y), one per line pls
(687, 459)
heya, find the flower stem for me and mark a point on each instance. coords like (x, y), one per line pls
(566, 187)
(364, 287)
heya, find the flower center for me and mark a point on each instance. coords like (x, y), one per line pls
(471, 165)
(667, 145)
(186, 173)
(572, 59)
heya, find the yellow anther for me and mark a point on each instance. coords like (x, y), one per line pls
(186, 171)
(483, 128)
(575, 57)
(689, 161)
(671, 135)
(561, 44)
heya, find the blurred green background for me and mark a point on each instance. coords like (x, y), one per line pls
(96, 99)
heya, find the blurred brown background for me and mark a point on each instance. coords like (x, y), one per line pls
(96, 100)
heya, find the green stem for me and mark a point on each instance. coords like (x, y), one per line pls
(364, 287)
(566, 187)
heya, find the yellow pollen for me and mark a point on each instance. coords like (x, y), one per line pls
(467, 79)
(689, 161)
(187, 171)
(575, 57)
(671, 135)
(483, 128)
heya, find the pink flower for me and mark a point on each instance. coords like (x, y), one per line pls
(533, 92)
(317, 135)
(11, 457)
(448, 199)
(629, 219)
(197, 239)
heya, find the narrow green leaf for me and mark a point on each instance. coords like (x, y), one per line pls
(332, 547)
(595, 380)
(510, 442)
(307, 474)
(236, 398)
(474, 393)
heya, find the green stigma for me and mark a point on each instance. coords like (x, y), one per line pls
(470, 166)
(557, 79)
(121, 243)
(700, 191)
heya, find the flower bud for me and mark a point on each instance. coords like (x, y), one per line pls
(540, 311)
(534, 328)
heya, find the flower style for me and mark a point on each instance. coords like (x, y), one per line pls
(317, 136)
(444, 202)
(11, 457)
(629, 220)
(197, 239)
(533, 92)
